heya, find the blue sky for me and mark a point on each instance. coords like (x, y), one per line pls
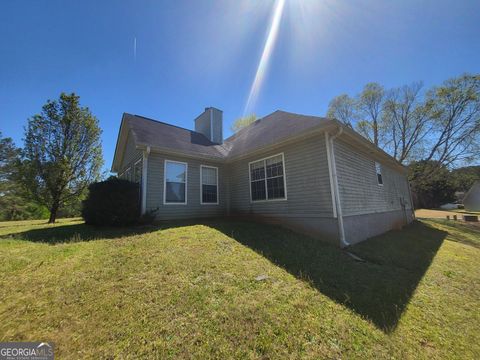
(199, 53)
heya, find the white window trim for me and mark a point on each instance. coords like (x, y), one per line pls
(376, 173)
(201, 185)
(165, 182)
(266, 189)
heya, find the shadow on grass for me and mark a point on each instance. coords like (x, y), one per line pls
(69, 233)
(379, 289)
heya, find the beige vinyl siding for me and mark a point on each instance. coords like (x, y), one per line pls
(131, 154)
(193, 208)
(358, 186)
(307, 182)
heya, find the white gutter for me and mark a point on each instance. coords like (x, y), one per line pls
(144, 179)
(332, 169)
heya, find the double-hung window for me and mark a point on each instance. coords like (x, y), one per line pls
(175, 182)
(208, 184)
(267, 179)
(378, 170)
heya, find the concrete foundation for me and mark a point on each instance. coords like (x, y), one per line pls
(361, 227)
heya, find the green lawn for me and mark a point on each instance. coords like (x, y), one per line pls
(190, 291)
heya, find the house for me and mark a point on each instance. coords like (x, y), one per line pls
(471, 201)
(308, 173)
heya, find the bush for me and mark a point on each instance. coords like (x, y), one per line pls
(113, 202)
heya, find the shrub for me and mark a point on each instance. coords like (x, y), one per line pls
(113, 202)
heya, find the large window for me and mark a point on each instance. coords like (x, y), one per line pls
(267, 179)
(175, 183)
(378, 170)
(209, 184)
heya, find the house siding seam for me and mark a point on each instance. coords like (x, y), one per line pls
(359, 191)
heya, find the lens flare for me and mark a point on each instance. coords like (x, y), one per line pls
(266, 55)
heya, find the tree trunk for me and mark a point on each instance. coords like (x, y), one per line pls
(375, 132)
(53, 212)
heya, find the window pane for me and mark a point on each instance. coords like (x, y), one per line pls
(378, 169)
(209, 176)
(175, 192)
(209, 193)
(258, 190)
(380, 179)
(175, 172)
(274, 166)
(257, 170)
(275, 188)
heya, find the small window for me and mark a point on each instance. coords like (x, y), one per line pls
(267, 179)
(378, 169)
(175, 177)
(209, 184)
(137, 172)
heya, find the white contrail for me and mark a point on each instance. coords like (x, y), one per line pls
(135, 49)
(265, 58)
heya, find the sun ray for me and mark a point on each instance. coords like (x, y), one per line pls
(265, 58)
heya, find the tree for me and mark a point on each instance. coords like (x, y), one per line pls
(13, 204)
(243, 122)
(406, 115)
(465, 177)
(441, 125)
(62, 153)
(9, 154)
(343, 108)
(454, 112)
(370, 105)
(363, 113)
(10, 203)
(434, 190)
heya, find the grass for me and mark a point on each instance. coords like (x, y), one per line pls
(189, 290)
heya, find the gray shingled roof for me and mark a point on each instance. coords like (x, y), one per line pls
(158, 134)
(271, 129)
(266, 131)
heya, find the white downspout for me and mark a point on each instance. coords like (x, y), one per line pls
(146, 153)
(334, 185)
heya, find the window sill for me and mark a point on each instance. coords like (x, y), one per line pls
(267, 201)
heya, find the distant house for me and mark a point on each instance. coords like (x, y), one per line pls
(304, 172)
(471, 201)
